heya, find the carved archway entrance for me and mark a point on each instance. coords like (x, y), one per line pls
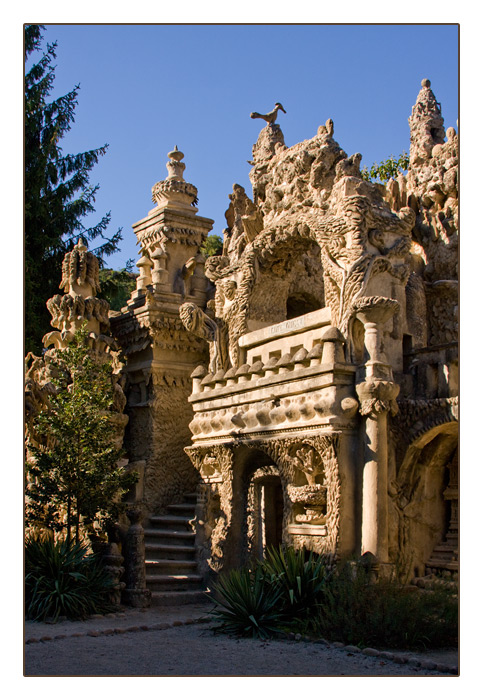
(260, 504)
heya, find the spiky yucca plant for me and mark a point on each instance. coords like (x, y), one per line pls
(299, 575)
(64, 579)
(245, 605)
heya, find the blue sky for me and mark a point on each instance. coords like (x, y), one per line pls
(145, 88)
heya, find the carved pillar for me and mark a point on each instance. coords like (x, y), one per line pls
(377, 395)
(377, 398)
(160, 273)
(198, 284)
(135, 593)
(144, 264)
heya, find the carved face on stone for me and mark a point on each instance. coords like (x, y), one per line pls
(229, 289)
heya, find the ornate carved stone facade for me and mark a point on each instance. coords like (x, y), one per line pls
(305, 380)
(319, 397)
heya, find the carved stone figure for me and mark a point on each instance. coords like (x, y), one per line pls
(271, 117)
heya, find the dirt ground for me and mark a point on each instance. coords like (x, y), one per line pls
(128, 644)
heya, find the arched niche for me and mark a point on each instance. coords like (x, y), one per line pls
(425, 496)
(290, 283)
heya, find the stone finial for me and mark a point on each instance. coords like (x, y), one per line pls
(80, 282)
(426, 125)
(175, 192)
(174, 166)
(80, 272)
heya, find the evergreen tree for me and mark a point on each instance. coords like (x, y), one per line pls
(117, 286)
(74, 481)
(57, 190)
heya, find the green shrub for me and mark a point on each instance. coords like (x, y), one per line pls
(356, 610)
(307, 593)
(63, 579)
(246, 605)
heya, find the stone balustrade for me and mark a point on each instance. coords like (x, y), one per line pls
(310, 386)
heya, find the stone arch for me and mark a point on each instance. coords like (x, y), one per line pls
(425, 503)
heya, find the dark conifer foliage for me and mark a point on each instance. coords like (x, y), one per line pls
(57, 190)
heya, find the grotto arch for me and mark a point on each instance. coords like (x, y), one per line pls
(425, 496)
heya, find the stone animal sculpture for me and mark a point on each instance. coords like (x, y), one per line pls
(271, 117)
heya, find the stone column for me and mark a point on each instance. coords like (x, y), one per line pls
(377, 395)
(135, 594)
(377, 398)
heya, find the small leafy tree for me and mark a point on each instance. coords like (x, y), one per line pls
(74, 480)
(212, 246)
(386, 169)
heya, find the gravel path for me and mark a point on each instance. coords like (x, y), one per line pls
(180, 642)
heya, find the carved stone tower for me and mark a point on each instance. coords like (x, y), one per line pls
(160, 353)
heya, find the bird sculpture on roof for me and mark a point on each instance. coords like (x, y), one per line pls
(271, 116)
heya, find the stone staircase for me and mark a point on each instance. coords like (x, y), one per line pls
(444, 559)
(170, 555)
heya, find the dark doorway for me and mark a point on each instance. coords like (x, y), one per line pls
(269, 516)
(300, 304)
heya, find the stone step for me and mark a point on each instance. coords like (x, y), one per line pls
(191, 497)
(168, 537)
(442, 564)
(161, 598)
(173, 582)
(174, 566)
(169, 551)
(168, 520)
(444, 552)
(185, 509)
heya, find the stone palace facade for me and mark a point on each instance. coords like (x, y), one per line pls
(301, 387)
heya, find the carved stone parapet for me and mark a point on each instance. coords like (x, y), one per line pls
(377, 396)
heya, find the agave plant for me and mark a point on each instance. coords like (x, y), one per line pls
(245, 605)
(300, 577)
(63, 578)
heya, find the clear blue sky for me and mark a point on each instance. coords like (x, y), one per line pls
(145, 88)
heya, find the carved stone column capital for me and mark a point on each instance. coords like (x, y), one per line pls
(377, 396)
